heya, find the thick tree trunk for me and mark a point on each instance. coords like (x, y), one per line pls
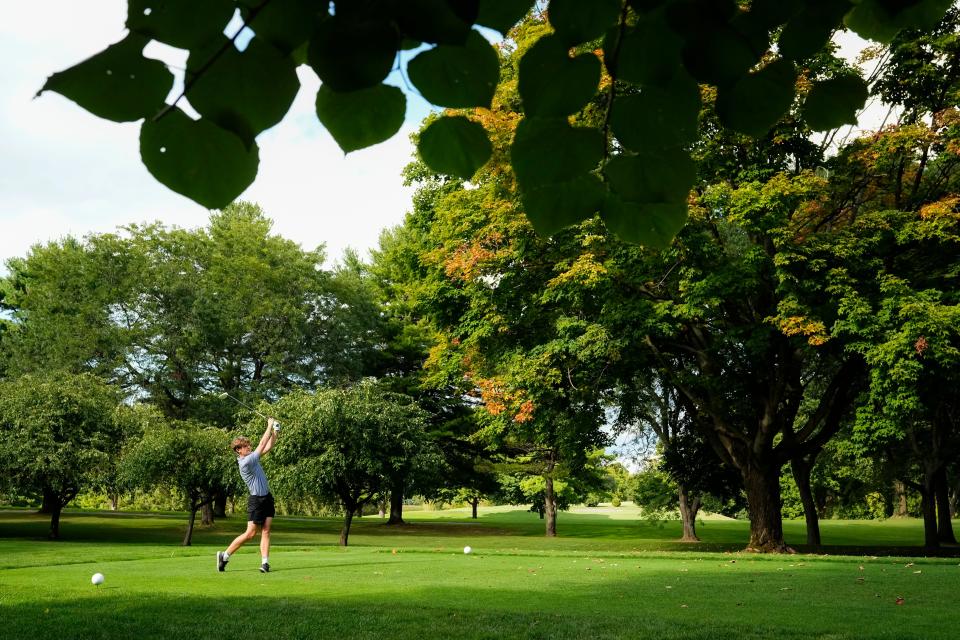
(762, 485)
(928, 502)
(688, 515)
(345, 531)
(188, 538)
(206, 514)
(550, 507)
(900, 499)
(55, 509)
(942, 498)
(220, 505)
(801, 474)
(49, 503)
(396, 503)
(473, 504)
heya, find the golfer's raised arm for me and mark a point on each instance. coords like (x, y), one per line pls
(266, 440)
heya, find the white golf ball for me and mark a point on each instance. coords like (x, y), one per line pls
(97, 579)
(467, 549)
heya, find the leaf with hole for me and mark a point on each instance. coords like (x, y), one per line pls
(554, 207)
(881, 20)
(245, 91)
(550, 151)
(720, 56)
(455, 146)
(359, 119)
(457, 76)
(647, 53)
(755, 103)
(435, 21)
(835, 102)
(501, 15)
(657, 117)
(118, 83)
(648, 224)
(665, 176)
(198, 159)
(554, 84)
(350, 55)
(576, 21)
(184, 24)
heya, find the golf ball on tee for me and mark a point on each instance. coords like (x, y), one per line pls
(97, 579)
(467, 549)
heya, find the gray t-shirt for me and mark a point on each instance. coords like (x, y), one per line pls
(252, 473)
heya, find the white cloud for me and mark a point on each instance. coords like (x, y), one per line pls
(65, 171)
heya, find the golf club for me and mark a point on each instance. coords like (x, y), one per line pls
(242, 403)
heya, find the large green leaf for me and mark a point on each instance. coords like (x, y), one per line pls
(755, 103)
(118, 83)
(665, 176)
(649, 224)
(435, 21)
(244, 91)
(557, 206)
(550, 151)
(350, 54)
(198, 159)
(359, 119)
(658, 117)
(835, 102)
(181, 23)
(881, 20)
(286, 24)
(457, 76)
(455, 146)
(501, 15)
(775, 12)
(554, 84)
(647, 53)
(576, 21)
(719, 56)
(809, 30)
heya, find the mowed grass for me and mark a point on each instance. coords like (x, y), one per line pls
(608, 575)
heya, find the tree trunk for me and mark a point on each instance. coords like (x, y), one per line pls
(801, 474)
(550, 507)
(220, 505)
(206, 514)
(50, 500)
(396, 503)
(473, 504)
(188, 538)
(763, 498)
(688, 515)
(928, 502)
(114, 502)
(345, 531)
(941, 495)
(900, 499)
(55, 509)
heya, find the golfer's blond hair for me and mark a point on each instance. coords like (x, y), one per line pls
(240, 442)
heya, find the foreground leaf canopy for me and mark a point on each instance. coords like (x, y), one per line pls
(655, 52)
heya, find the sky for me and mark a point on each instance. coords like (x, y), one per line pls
(64, 171)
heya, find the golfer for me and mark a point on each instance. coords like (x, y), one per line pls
(260, 510)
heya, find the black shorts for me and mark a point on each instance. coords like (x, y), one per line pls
(259, 508)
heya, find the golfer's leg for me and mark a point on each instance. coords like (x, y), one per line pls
(265, 538)
(242, 538)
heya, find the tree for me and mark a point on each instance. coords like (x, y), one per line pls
(343, 445)
(662, 47)
(186, 456)
(58, 432)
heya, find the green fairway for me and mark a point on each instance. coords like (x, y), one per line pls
(605, 577)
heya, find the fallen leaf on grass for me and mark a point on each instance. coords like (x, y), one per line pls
(899, 600)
